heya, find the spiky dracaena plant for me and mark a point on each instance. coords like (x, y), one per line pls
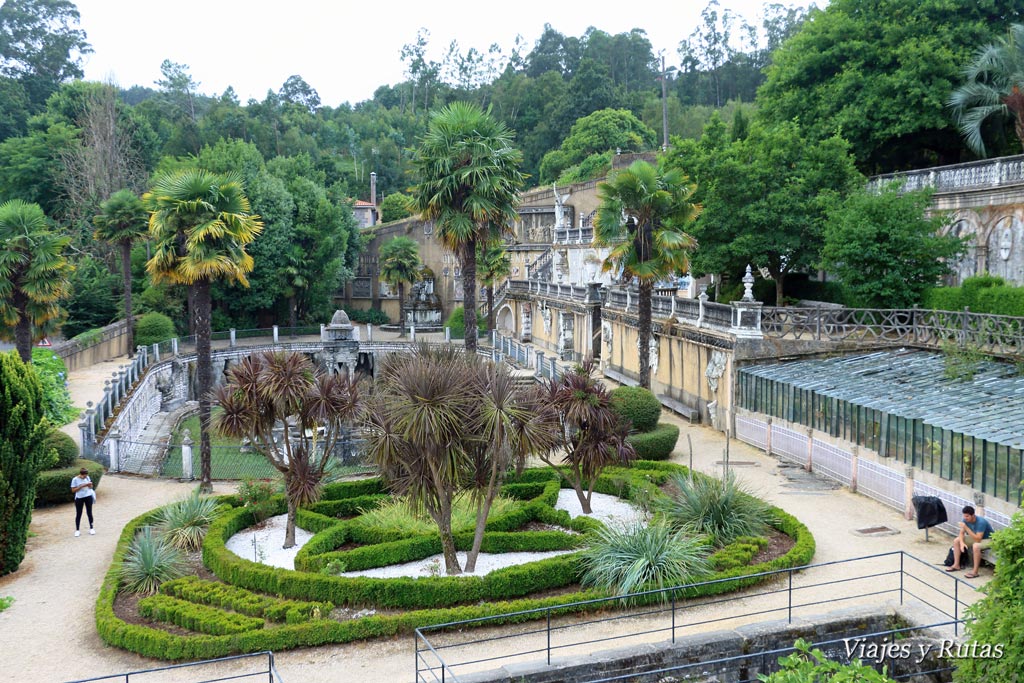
(149, 562)
(183, 524)
(721, 509)
(640, 557)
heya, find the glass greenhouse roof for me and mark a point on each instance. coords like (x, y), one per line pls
(913, 384)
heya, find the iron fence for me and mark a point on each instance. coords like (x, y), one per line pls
(207, 671)
(442, 650)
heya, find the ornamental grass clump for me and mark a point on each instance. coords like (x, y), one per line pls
(641, 557)
(183, 524)
(721, 509)
(149, 562)
(396, 515)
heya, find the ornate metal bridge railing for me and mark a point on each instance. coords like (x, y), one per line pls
(996, 334)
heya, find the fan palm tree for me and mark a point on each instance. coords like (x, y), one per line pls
(123, 219)
(273, 389)
(200, 223)
(495, 265)
(469, 181)
(641, 217)
(33, 274)
(400, 263)
(995, 86)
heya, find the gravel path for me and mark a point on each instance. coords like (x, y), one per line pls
(50, 632)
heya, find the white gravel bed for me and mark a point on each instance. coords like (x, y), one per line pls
(270, 536)
(269, 539)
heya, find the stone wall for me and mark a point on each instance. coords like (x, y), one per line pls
(113, 343)
(696, 655)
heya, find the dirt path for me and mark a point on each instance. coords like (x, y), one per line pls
(50, 632)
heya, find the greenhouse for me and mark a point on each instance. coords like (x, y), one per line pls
(903, 404)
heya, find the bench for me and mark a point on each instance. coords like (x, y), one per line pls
(691, 414)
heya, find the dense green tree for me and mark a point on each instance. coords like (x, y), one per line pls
(92, 301)
(765, 197)
(394, 207)
(33, 275)
(469, 181)
(885, 248)
(400, 263)
(995, 78)
(31, 165)
(602, 131)
(40, 46)
(22, 432)
(879, 75)
(643, 213)
(200, 225)
(123, 220)
(268, 394)
(297, 91)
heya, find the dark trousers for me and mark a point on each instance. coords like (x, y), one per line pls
(79, 502)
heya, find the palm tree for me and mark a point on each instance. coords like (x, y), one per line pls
(33, 274)
(995, 85)
(400, 263)
(641, 216)
(270, 390)
(469, 180)
(122, 221)
(495, 265)
(200, 223)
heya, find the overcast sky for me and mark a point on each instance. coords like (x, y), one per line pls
(344, 50)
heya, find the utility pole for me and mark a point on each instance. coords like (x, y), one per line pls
(664, 105)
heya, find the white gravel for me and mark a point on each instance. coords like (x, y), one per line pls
(269, 538)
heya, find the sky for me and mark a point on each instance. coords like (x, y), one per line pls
(345, 50)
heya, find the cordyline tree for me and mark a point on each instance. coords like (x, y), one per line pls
(469, 182)
(122, 220)
(273, 393)
(591, 434)
(641, 217)
(440, 424)
(200, 223)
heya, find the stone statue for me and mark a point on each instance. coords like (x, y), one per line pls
(545, 316)
(560, 200)
(606, 338)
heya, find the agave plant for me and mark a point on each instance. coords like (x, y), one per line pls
(640, 557)
(183, 524)
(150, 561)
(719, 508)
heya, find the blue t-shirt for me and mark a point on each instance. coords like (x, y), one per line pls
(980, 524)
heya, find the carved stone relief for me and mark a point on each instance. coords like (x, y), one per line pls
(715, 369)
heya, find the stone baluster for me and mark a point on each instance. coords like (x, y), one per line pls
(108, 407)
(174, 346)
(115, 387)
(540, 363)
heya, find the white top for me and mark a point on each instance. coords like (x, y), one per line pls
(78, 481)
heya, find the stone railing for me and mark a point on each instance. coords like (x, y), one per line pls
(580, 235)
(976, 174)
(540, 269)
(698, 312)
(551, 290)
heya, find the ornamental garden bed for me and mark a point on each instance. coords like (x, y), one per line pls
(229, 604)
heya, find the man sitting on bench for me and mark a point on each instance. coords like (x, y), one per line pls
(974, 534)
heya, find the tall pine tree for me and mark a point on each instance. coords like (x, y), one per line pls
(21, 448)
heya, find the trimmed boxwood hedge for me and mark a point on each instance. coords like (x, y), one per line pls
(656, 444)
(54, 486)
(503, 594)
(638, 405)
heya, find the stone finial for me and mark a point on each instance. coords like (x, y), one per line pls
(748, 285)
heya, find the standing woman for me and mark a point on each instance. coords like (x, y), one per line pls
(82, 487)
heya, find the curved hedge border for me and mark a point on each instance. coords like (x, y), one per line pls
(443, 594)
(656, 444)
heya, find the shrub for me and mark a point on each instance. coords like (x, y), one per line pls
(255, 494)
(718, 508)
(53, 378)
(395, 516)
(65, 447)
(150, 561)
(638, 405)
(807, 666)
(657, 444)
(639, 557)
(372, 316)
(54, 486)
(22, 431)
(153, 328)
(183, 524)
(196, 617)
(457, 322)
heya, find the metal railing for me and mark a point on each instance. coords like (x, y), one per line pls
(267, 673)
(997, 334)
(669, 613)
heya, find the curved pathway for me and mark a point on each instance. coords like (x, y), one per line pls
(49, 632)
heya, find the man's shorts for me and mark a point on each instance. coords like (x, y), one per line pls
(980, 545)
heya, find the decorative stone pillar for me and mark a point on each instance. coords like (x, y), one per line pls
(854, 467)
(275, 332)
(174, 346)
(768, 436)
(810, 450)
(908, 494)
(114, 449)
(186, 457)
(447, 335)
(156, 353)
(231, 337)
(746, 313)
